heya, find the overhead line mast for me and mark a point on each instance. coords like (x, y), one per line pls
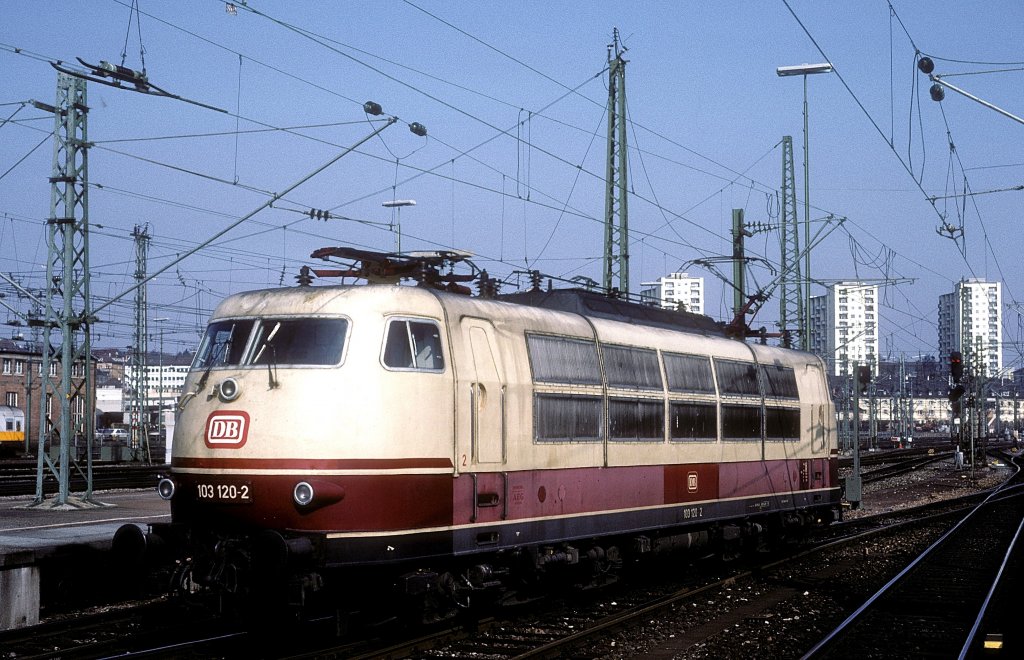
(616, 208)
(791, 303)
(138, 404)
(68, 306)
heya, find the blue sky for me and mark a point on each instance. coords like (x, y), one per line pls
(513, 97)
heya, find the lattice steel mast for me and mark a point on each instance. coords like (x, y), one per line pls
(791, 302)
(138, 411)
(67, 303)
(616, 209)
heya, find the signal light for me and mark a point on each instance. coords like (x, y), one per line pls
(956, 366)
(863, 378)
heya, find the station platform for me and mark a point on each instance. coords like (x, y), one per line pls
(44, 531)
(36, 539)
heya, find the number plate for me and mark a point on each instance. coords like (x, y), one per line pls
(238, 491)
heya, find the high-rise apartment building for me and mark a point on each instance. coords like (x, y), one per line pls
(970, 321)
(674, 290)
(844, 327)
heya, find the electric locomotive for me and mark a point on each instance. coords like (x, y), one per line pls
(438, 446)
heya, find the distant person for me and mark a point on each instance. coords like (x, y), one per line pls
(958, 459)
(1016, 439)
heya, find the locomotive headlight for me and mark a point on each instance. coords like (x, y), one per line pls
(165, 488)
(229, 389)
(303, 493)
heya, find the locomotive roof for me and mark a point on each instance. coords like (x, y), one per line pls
(588, 303)
(575, 301)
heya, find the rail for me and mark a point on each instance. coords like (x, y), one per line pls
(939, 600)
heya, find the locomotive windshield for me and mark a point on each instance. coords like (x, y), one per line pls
(223, 344)
(292, 341)
(299, 341)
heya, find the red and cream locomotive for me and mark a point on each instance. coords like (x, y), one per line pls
(332, 436)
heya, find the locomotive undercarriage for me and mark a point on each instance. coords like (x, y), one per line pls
(519, 575)
(269, 572)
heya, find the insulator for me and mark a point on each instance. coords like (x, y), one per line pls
(937, 93)
(305, 276)
(418, 129)
(926, 65)
(373, 108)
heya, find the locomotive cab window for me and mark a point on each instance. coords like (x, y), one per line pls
(413, 344)
(301, 341)
(223, 344)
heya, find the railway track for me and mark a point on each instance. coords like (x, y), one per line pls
(20, 479)
(903, 466)
(947, 600)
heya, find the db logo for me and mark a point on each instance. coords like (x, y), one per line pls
(227, 429)
(691, 482)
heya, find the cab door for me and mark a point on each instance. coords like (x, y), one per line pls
(487, 394)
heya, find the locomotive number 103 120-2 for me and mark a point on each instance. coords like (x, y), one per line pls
(224, 492)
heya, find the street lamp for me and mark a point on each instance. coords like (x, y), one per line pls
(806, 70)
(398, 204)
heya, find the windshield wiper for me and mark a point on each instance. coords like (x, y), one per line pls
(209, 366)
(272, 362)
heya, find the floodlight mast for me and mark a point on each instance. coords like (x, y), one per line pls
(806, 70)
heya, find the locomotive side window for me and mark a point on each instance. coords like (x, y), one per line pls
(737, 378)
(223, 344)
(694, 421)
(632, 367)
(779, 381)
(782, 424)
(308, 341)
(558, 418)
(741, 422)
(636, 420)
(412, 344)
(689, 373)
(563, 360)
